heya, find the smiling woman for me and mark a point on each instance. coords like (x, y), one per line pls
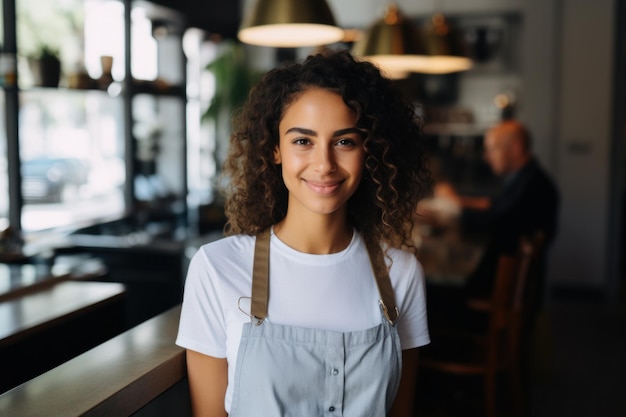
(325, 171)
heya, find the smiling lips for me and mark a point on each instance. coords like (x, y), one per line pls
(324, 188)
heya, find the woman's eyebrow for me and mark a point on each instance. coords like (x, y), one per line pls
(342, 132)
(339, 132)
(302, 131)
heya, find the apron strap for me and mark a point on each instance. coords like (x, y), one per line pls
(261, 276)
(385, 290)
(260, 279)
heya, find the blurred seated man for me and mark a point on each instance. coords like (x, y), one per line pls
(527, 202)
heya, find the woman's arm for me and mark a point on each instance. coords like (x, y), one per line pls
(208, 377)
(404, 402)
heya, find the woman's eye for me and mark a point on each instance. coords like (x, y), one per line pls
(301, 141)
(346, 142)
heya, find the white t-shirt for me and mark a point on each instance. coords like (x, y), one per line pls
(329, 292)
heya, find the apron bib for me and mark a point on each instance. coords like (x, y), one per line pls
(289, 371)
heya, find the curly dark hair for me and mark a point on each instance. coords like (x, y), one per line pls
(395, 176)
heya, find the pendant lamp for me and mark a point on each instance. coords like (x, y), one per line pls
(290, 24)
(393, 43)
(399, 47)
(445, 48)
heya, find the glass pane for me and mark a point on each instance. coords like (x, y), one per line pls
(104, 37)
(201, 144)
(48, 32)
(159, 132)
(71, 139)
(1, 23)
(159, 111)
(71, 148)
(4, 177)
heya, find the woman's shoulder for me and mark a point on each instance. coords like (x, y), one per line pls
(393, 254)
(403, 260)
(224, 259)
(399, 253)
(228, 246)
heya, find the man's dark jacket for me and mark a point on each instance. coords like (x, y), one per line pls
(528, 203)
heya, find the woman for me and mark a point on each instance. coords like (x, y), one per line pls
(286, 316)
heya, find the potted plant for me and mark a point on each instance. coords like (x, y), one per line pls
(234, 77)
(45, 67)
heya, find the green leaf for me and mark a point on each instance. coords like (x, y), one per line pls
(233, 80)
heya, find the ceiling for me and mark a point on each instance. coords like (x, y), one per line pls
(215, 16)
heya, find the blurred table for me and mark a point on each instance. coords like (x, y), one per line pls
(447, 255)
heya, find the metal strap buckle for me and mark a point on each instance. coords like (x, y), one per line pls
(386, 313)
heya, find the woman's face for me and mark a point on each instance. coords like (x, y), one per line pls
(321, 152)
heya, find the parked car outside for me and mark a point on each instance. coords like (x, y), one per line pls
(51, 179)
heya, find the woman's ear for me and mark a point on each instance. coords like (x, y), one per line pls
(277, 158)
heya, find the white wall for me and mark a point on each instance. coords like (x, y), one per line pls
(539, 68)
(584, 139)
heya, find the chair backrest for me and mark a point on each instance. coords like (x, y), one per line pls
(502, 295)
(526, 260)
(513, 278)
(534, 287)
(510, 297)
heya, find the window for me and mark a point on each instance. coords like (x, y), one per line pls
(4, 175)
(71, 139)
(72, 148)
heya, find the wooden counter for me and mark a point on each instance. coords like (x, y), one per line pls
(116, 378)
(45, 325)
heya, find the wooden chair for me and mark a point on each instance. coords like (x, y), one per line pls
(498, 349)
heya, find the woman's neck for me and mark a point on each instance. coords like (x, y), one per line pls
(316, 235)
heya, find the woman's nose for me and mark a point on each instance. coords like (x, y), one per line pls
(325, 159)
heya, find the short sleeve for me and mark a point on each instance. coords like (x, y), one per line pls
(201, 327)
(410, 294)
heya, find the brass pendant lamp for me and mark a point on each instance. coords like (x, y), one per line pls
(393, 43)
(290, 24)
(399, 47)
(444, 47)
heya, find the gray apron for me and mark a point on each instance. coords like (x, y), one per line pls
(288, 371)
